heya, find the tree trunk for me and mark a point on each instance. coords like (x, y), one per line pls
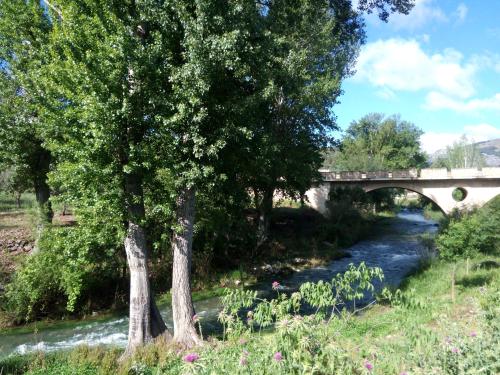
(18, 200)
(42, 193)
(265, 207)
(42, 189)
(139, 331)
(182, 242)
(145, 322)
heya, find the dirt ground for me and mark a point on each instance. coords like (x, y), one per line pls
(16, 241)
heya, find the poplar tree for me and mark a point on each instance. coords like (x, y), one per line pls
(108, 80)
(143, 86)
(24, 32)
(312, 47)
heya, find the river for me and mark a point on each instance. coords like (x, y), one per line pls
(395, 248)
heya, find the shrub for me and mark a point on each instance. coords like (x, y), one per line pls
(473, 233)
(73, 263)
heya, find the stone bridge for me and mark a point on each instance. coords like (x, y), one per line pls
(477, 185)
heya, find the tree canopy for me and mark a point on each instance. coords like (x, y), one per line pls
(137, 107)
(378, 143)
(462, 154)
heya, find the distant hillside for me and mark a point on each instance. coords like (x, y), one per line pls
(489, 149)
(491, 152)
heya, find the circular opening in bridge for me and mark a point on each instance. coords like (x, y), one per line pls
(459, 194)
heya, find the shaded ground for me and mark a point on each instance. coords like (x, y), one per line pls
(16, 233)
(16, 241)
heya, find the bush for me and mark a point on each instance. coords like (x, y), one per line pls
(346, 222)
(473, 233)
(73, 263)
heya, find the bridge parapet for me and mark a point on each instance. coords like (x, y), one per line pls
(433, 173)
(491, 172)
(412, 174)
(438, 185)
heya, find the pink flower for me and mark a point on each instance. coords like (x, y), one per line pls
(454, 350)
(278, 357)
(243, 361)
(473, 334)
(368, 366)
(275, 285)
(191, 357)
(403, 373)
(242, 341)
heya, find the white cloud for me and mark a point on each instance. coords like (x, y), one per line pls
(400, 64)
(422, 13)
(482, 132)
(461, 12)
(434, 141)
(436, 100)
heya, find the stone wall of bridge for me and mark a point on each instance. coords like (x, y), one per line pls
(436, 184)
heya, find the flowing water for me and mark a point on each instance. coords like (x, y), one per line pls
(395, 248)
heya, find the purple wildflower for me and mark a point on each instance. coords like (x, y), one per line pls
(275, 285)
(403, 373)
(368, 366)
(243, 361)
(473, 334)
(278, 357)
(454, 350)
(191, 357)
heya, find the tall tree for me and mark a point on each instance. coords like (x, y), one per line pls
(462, 154)
(212, 82)
(142, 87)
(312, 46)
(377, 143)
(24, 32)
(108, 83)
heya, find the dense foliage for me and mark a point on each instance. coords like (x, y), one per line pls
(73, 273)
(472, 233)
(378, 143)
(132, 111)
(22, 54)
(462, 154)
(417, 331)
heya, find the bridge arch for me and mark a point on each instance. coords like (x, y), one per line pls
(435, 184)
(415, 190)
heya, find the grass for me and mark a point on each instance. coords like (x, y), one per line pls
(435, 214)
(393, 339)
(8, 202)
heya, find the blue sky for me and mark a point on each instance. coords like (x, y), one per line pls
(438, 67)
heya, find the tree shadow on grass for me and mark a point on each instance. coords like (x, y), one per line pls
(474, 280)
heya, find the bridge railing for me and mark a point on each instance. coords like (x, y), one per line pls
(426, 174)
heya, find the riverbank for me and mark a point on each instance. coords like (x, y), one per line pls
(423, 332)
(300, 239)
(393, 244)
